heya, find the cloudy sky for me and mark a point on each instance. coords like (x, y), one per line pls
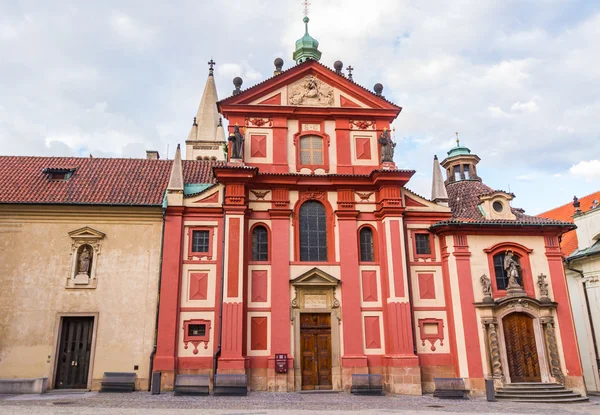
(518, 80)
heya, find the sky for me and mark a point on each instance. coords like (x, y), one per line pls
(518, 80)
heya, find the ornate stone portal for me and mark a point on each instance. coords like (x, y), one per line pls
(315, 292)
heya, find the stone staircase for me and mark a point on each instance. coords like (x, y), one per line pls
(539, 392)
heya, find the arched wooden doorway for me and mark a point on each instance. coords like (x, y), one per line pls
(521, 350)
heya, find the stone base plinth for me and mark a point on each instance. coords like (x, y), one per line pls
(167, 380)
(430, 372)
(387, 165)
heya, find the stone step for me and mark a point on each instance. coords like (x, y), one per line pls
(576, 399)
(569, 394)
(548, 388)
(532, 384)
(536, 392)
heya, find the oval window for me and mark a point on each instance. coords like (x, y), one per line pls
(498, 206)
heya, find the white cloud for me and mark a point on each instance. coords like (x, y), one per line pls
(529, 106)
(589, 170)
(131, 30)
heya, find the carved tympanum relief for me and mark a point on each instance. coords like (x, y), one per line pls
(310, 91)
(85, 249)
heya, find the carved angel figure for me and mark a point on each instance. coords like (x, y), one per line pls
(486, 286)
(511, 266)
(387, 146)
(542, 285)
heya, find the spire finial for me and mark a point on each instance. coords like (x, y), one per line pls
(350, 69)
(457, 140)
(211, 63)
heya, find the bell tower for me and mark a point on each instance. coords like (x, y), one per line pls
(460, 164)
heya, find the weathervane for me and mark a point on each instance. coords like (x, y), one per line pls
(457, 142)
(211, 63)
(306, 4)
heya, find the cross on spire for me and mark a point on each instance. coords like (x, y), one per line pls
(350, 69)
(306, 5)
(457, 141)
(211, 63)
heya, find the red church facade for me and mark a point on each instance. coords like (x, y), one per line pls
(310, 246)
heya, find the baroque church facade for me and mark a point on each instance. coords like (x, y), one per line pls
(286, 246)
(303, 257)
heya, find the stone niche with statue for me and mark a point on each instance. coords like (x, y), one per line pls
(85, 252)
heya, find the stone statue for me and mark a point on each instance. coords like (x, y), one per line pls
(543, 286)
(486, 286)
(85, 259)
(237, 144)
(511, 266)
(387, 146)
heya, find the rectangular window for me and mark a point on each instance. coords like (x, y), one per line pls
(466, 172)
(456, 173)
(422, 243)
(311, 150)
(196, 330)
(200, 241)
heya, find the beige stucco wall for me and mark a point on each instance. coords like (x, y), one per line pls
(35, 263)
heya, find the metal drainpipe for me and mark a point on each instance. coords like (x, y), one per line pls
(589, 311)
(218, 351)
(153, 353)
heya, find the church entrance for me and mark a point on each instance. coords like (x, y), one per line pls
(315, 343)
(73, 354)
(521, 350)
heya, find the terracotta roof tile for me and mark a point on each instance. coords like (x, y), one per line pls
(102, 181)
(569, 242)
(463, 199)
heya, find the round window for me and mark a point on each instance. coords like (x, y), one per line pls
(498, 206)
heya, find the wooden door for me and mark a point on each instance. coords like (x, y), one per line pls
(521, 350)
(315, 344)
(73, 354)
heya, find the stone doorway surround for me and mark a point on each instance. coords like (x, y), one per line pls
(492, 314)
(315, 292)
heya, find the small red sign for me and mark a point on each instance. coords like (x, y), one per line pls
(281, 364)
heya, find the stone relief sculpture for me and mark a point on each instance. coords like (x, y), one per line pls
(387, 146)
(310, 91)
(237, 144)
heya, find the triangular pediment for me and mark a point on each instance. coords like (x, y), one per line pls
(310, 84)
(86, 233)
(315, 277)
(413, 201)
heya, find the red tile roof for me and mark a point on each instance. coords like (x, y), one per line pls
(463, 199)
(102, 181)
(565, 212)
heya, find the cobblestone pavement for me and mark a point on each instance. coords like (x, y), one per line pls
(263, 403)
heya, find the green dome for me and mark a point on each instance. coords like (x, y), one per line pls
(307, 47)
(459, 151)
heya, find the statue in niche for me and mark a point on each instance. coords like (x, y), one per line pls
(85, 260)
(512, 267)
(237, 143)
(387, 146)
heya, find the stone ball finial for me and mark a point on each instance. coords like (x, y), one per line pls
(237, 82)
(378, 88)
(278, 64)
(338, 66)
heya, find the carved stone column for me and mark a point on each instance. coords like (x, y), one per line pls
(552, 348)
(491, 329)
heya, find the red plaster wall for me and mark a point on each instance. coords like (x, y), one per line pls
(426, 287)
(258, 146)
(397, 258)
(372, 332)
(369, 285)
(258, 333)
(198, 285)
(234, 258)
(259, 286)
(280, 284)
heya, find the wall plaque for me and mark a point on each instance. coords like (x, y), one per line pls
(315, 301)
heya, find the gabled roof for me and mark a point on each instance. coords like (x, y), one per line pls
(96, 181)
(464, 200)
(298, 71)
(569, 242)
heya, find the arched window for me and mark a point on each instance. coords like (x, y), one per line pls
(311, 150)
(313, 232)
(367, 248)
(260, 244)
(501, 274)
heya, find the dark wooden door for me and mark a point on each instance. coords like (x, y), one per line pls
(521, 350)
(73, 355)
(315, 343)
